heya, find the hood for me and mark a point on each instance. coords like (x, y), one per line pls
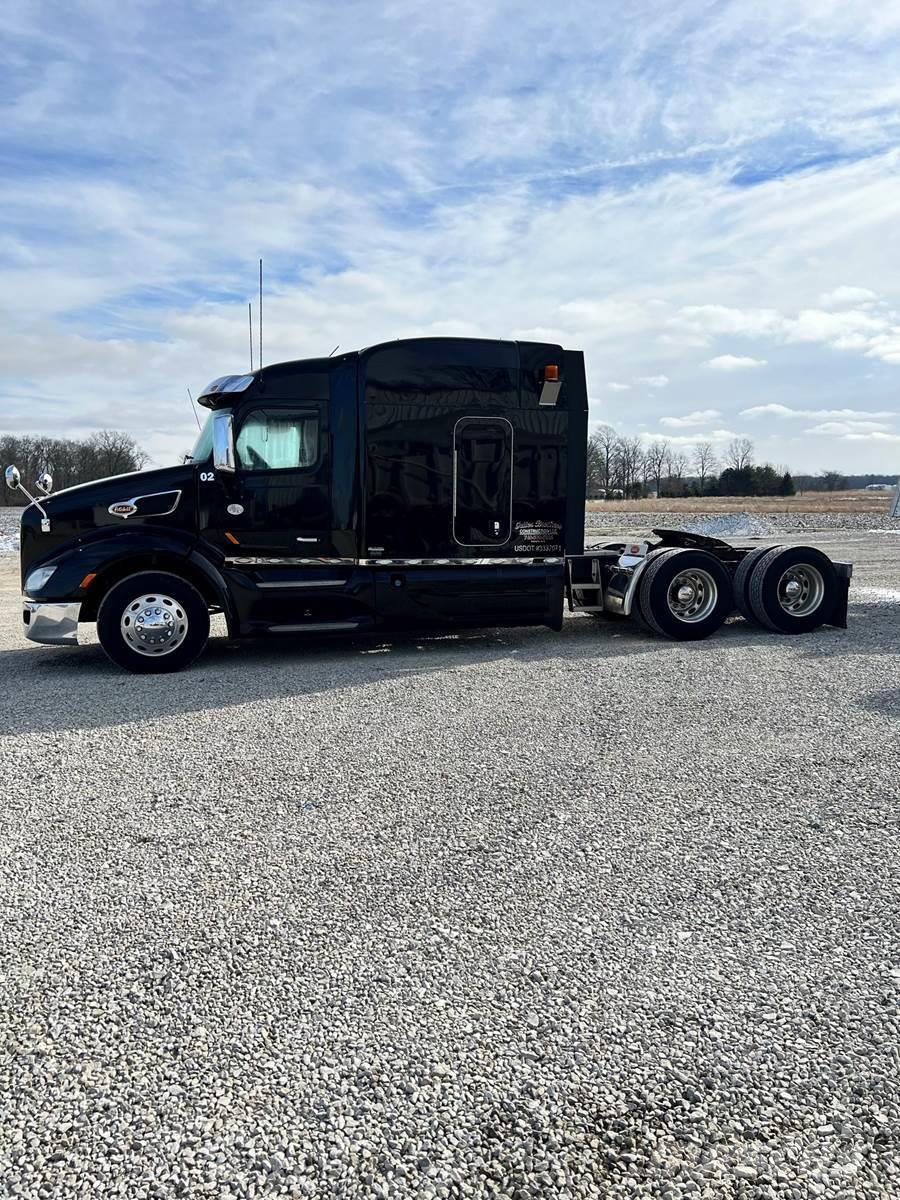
(164, 496)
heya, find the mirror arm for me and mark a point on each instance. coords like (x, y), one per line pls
(45, 520)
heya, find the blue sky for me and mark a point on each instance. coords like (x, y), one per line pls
(701, 196)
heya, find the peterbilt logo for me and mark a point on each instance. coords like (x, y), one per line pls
(124, 508)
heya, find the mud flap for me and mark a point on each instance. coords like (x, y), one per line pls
(842, 600)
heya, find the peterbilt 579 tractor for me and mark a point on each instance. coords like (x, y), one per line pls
(426, 482)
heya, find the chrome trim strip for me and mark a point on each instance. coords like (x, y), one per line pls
(176, 492)
(314, 627)
(459, 562)
(292, 562)
(303, 583)
(52, 624)
(395, 562)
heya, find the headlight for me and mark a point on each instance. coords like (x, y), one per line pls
(37, 579)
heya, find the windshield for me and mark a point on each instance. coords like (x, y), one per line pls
(204, 444)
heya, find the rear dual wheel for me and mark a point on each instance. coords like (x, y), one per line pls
(683, 594)
(789, 589)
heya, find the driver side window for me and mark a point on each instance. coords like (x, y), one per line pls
(278, 440)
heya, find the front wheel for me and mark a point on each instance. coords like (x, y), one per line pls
(153, 623)
(685, 595)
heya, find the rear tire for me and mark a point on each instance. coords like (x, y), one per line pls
(637, 613)
(793, 589)
(685, 595)
(742, 584)
(153, 623)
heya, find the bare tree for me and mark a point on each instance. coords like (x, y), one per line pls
(629, 463)
(593, 472)
(602, 452)
(833, 481)
(116, 453)
(739, 454)
(704, 462)
(678, 465)
(607, 443)
(657, 454)
(69, 461)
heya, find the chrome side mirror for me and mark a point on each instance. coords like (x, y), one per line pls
(14, 481)
(44, 483)
(223, 442)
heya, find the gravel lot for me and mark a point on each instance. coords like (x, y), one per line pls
(513, 914)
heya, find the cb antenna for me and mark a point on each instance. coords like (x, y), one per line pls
(250, 318)
(260, 315)
(337, 347)
(193, 409)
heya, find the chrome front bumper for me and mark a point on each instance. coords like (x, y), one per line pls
(52, 624)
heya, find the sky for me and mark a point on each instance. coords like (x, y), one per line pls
(704, 197)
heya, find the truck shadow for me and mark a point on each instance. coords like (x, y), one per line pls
(55, 689)
(887, 703)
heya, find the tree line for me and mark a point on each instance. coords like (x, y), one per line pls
(633, 468)
(69, 460)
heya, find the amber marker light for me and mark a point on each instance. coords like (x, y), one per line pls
(551, 374)
(88, 579)
(232, 539)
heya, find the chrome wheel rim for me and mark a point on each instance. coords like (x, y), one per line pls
(154, 625)
(692, 595)
(801, 590)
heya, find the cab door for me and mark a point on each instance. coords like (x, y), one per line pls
(277, 504)
(273, 521)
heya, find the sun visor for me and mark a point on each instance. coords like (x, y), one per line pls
(225, 385)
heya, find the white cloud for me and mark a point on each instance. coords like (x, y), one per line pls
(685, 439)
(734, 362)
(874, 436)
(875, 333)
(848, 330)
(616, 211)
(700, 417)
(842, 428)
(847, 297)
(706, 320)
(784, 411)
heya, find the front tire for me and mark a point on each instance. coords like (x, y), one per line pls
(153, 623)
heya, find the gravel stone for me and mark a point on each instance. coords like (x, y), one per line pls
(500, 914)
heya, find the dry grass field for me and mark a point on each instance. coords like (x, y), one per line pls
(808, 502)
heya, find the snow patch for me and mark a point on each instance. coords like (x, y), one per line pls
(879, 595)
(9, 530)
(730, 525)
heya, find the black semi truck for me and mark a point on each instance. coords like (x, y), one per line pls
(425, 482)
